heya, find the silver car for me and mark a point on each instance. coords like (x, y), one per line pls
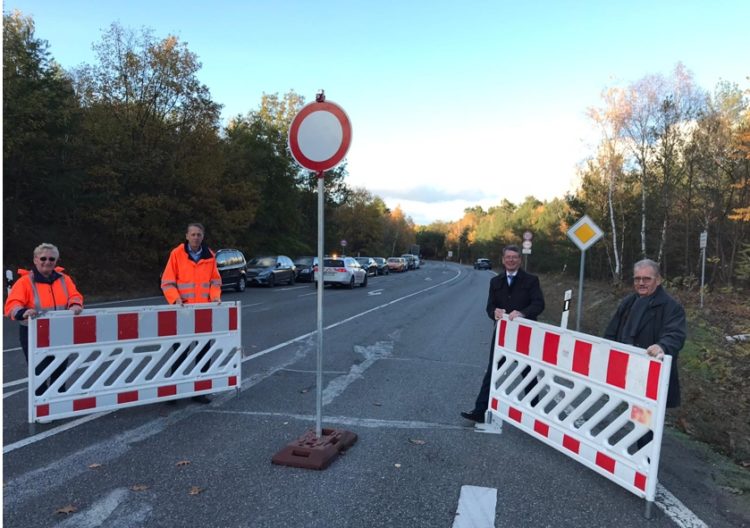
(342, 271)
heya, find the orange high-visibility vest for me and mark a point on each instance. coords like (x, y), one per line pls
(193, 282)
(61, 294)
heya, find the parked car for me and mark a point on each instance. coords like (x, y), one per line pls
(232, 268)
(342, 271)
(304, 267)
(411, 260)
(368, 264)
(397, 264)
(483, 263)
(271, 270)
(382, 265)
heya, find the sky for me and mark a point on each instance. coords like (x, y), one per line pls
(452, 104)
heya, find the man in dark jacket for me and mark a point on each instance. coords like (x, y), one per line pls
(517, 294)
(650, 318)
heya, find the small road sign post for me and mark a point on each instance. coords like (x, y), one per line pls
(319, 138)
(703, 244)
(526, 250)
(584, 233)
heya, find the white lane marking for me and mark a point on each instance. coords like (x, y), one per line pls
(375, 292)
(379, 350)
(308, 294)
(676, 510)
(476, 508)
(111, 510)
(245, 385)
(289, 288)
(9, 394)
(244, 306)
(12, 349)
(51, 432)
(14, 383)
(345, 420)
(352, 318)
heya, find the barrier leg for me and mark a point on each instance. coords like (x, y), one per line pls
(648, 513)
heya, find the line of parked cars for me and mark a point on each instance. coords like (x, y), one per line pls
(237, 272)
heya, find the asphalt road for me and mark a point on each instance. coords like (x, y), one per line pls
(402, 357)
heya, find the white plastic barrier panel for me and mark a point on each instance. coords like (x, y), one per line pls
(108, 359)
(585, 396)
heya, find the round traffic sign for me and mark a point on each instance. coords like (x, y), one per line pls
(343, 243)
(528, 235)
(320, 136)
(526, 244)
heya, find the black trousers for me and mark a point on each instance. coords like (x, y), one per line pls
(23, 334)
(483, 398)
(180, 360)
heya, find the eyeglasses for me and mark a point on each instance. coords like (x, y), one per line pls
(642, 279)
(45, 259)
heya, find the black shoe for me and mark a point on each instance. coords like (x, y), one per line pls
(201, 399)
(474, 416)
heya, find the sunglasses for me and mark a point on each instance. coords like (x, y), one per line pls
(45, 259)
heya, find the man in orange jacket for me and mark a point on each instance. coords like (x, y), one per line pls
(45, 287)
(190, 277)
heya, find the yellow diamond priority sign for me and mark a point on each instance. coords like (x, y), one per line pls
(585, 233)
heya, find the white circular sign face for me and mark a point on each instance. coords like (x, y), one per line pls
(526, 244)
(343, 243)
(320, 136)
(527, 235)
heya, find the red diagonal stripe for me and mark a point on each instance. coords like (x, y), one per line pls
(166, 390)
(501, 333)
(640, 481)
(42, 333)
(127, 326)
(84, 329)
(571, 444)
(202, 385)
(605, 462)
(582, 357)
(551, 345)
(84, 403)
(652, 385)
(617, 368)
(203, 320)
(523, 340)
(541, 428)
(127, 397)
(167, 323)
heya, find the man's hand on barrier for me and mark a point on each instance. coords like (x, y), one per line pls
(499, 312)
(655, 351)
(76, 309)
(515, 313)
(28, 314)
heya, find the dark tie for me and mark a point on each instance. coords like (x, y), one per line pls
(511, 278)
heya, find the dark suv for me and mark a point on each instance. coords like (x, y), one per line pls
(231, 264)
(483, 263)
(304, 267)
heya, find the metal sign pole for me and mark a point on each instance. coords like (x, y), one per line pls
(703, 244)
(319, 379)
(579, 308)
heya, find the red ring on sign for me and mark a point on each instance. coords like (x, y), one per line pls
(346, 138)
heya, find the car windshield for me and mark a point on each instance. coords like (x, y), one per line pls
(333, 263)
(264, 262)
(379, 260)
(363, 260)
(303, 261)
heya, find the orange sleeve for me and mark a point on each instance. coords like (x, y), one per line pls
(74, 296)
(20, 297)
(169, 279)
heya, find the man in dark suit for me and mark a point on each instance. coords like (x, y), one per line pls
(517, 294)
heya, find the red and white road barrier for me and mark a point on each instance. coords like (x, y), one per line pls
(107, 359)
(585, 396)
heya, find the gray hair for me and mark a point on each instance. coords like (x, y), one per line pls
(44, 246)
(198, 225)
(650, 264)
(512, 247)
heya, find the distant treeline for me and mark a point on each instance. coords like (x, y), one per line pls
(111, 160)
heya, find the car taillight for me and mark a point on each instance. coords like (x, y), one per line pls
(339, 270)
